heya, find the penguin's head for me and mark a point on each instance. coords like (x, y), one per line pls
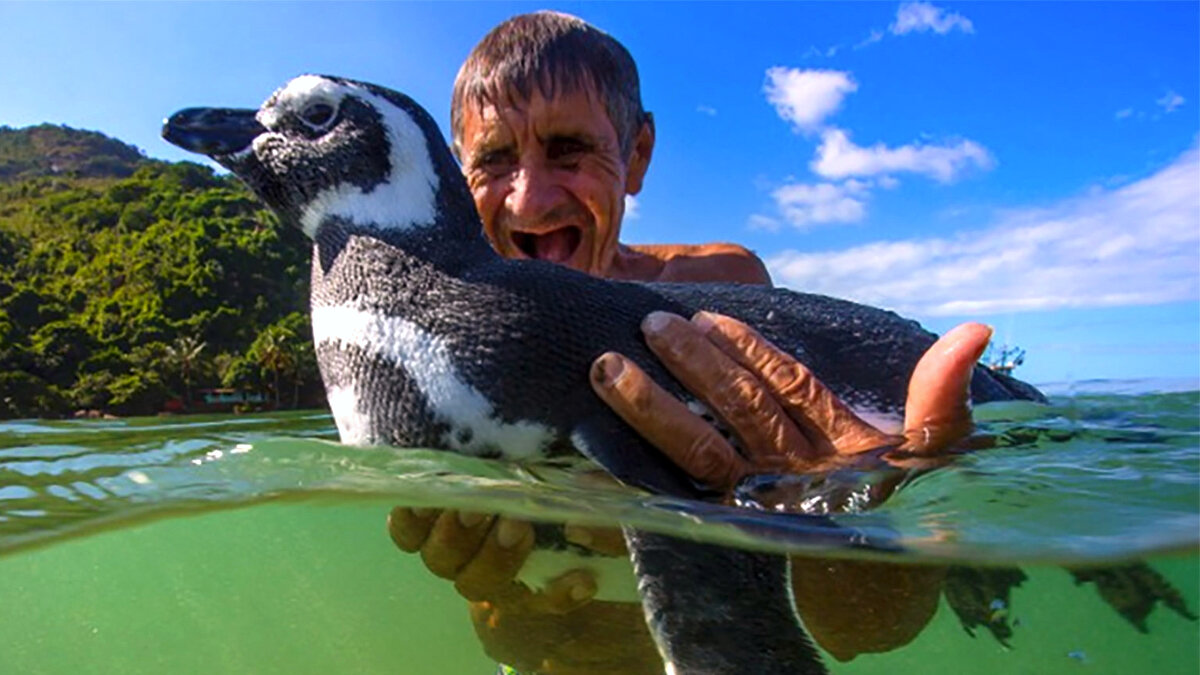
(325, 149)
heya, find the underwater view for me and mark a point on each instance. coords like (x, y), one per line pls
(263, 264)
(256, 543)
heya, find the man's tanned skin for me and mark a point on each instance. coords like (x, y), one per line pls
(548, 124)
(681, 263)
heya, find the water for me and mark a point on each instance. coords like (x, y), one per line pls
(257, 545)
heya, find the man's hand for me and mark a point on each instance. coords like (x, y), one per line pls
(558, 629)
(785, 419)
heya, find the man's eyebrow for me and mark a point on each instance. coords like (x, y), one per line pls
(579, 136)
(488, 145)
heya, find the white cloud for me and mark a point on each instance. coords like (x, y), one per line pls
(757, 221)
(632, 208)
(1124, 113)
(1170, 101)
(819, 53)
(839, 157)
(1133, 245)
(806, 97)
(804, 205)
(923, 16)
(707, 110)
(875, 36)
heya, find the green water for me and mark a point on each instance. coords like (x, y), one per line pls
(256, 545)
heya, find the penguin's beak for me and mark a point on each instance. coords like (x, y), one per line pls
(212, 131)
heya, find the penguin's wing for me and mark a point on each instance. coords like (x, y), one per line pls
(719, 611)
(606, 440)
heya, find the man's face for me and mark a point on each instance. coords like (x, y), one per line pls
(548, 177)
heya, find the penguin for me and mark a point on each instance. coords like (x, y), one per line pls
(426, 337)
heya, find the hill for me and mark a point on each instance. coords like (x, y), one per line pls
(53, 150)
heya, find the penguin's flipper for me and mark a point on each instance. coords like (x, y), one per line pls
(609, 442)
(719, 611)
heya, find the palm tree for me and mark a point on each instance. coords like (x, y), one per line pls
(271, 351)
(184, 353)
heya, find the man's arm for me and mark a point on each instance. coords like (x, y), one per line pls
(749, 383)
(483, 558)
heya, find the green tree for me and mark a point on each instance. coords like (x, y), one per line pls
(271, 351)
(120, 274)
(184, 353)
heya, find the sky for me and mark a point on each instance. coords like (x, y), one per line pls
(1034, 166)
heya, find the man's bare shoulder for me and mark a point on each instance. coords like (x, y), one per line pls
(714, 262)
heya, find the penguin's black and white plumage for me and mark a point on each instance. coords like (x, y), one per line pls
(427, 338)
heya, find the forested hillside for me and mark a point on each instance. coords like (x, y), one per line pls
(126, 282)
(48, 149)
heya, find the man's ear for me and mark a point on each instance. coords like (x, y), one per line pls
(639, 157)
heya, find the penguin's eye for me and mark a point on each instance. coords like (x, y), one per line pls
(317, 114)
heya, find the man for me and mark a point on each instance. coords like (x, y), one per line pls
(548, 123)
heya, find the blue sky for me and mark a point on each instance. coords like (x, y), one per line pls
(1030, 165)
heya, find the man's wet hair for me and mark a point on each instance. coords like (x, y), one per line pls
(559, 54)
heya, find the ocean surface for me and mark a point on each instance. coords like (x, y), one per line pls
(257, 544)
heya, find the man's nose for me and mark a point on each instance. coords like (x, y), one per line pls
(534, 193)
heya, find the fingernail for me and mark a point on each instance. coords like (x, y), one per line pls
(656, 322)
(703, 321)
(470, 518)
(608, 370)
(581, 592)
(509, 533)
(979, 352)
(984, 345)
(578, 535)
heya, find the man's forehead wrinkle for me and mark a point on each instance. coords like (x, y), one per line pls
(516, 89)
(500, 128)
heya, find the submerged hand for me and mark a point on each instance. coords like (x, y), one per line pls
(599, 638)
(480, 553)
(785, 419)
(558, 629)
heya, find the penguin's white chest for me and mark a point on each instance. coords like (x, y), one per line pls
(426, 359)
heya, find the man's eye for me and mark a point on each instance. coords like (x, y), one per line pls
(317, 114)
(496, 160)
(566, 149)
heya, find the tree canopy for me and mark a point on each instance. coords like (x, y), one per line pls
(128, 282)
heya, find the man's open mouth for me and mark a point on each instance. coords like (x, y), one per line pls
(556, 246)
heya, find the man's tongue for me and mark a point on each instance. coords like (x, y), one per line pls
(556, 246)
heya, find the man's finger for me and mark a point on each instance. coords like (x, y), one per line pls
(938, 410)
(409, 528)
(829, 424)
(454, 539)
(732, 392)
(497, 562)
(603, 540)
(566, 593)
(690, 442)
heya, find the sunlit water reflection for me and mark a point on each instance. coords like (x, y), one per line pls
(94, 544)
